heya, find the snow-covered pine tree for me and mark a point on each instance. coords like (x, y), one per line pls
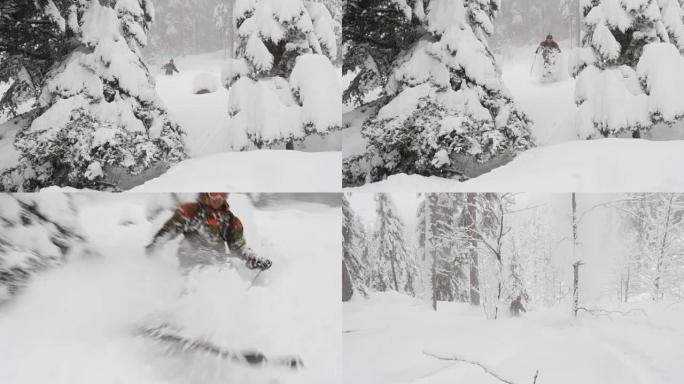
(36, 232)
(353, 248)
(446, 103)
(32, 37)
(336, 9)
(444, 244)
(629, 69)
(394, 267)
(534, 242)
(282, 85)
(99, 123)
(654, 225)
(373, 34)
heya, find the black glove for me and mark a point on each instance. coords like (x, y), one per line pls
(258, 263)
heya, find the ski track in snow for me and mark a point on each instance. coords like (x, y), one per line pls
(551, 106)
(203, 117)
(622, 350)
(78, 323)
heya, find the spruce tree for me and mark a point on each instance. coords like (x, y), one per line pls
(99, 123)
(445, 100)
(353, 248)
(445, 243)
(283, 85)
(394, 267)
(33, 36)
(629, 67)
(654, 225)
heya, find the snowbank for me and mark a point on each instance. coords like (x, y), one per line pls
(277, 171)
(204, 83)
(608, 165)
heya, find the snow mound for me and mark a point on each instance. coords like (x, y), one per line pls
(279, 171)
(608, 165)
(204, 83)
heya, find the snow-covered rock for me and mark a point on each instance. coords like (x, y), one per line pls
(204, 83)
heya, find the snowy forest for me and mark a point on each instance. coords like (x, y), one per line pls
(84, 300)
(111, 95)
(568, 287)
(438, 93)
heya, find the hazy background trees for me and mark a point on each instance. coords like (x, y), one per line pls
(509, 253)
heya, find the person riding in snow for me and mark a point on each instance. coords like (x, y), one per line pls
(550, 51)
(169, 68)
(548, 44)
(208, 227)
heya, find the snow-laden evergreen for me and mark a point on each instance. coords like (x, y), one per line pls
(34, 35)
(354, 250)
(445, 101)
(283, 85)
(393, 266)
(654, 232)
(630, 72)
(98, 116)
(37, 232)
(445, 252)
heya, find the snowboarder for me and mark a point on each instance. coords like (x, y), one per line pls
(169, 68)
(207, 226)
(549, 50)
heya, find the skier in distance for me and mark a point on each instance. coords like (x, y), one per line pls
(169, 68)
(550, 52)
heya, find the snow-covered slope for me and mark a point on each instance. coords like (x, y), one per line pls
(79, 323)
(551, 106)
(203, 117)
(608, 165)
(387, 336)
(263, 171)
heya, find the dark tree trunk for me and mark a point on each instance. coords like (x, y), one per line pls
(347, 288)
(576, 265)
(575, 288)
(394, 274)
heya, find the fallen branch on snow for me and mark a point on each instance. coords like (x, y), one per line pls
(484, 367)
